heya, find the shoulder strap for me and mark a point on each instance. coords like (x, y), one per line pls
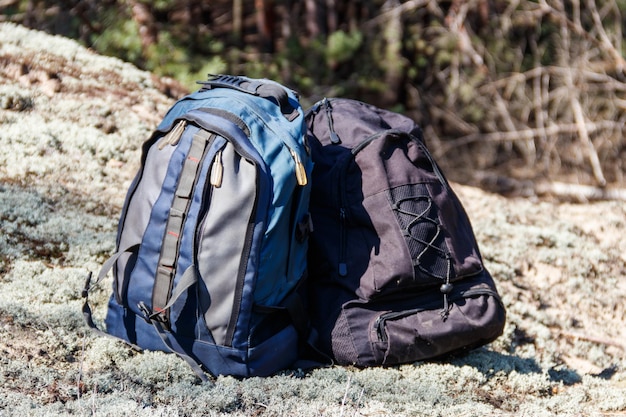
(187, 280)
(106, 267)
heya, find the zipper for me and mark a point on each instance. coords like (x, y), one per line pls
(216, 176)
(431, 160)
(225, 114)
(237, 299)
(314, 109)
(334, 138)
(173, 136)
(479, 291)
(368, 140)
(342, 200)
(300, 170)
(381, 321)
(214, 181)
(343, 265)
(217, 170)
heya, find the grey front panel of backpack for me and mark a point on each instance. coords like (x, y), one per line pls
(222, 240)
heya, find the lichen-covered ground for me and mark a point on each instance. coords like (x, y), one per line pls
(71, 125)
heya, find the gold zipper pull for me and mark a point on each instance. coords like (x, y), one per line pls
(173, 136)
(217, 170)
(300, 170)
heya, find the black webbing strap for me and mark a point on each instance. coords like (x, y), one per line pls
(175, 348)
(106, 267)
(187, 280)
(166, 267)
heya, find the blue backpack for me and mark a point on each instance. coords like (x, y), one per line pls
(212, 239)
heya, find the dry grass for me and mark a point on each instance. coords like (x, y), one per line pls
(531, 91)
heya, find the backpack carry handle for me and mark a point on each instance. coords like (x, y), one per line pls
(257, 87)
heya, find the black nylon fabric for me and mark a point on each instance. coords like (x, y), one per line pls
(395, 273)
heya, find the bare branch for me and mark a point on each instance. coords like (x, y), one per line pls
(404, 7)
(525, 134)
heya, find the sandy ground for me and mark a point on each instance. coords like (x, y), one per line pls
(71, 126)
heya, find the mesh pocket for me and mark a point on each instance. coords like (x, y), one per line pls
(418, 218)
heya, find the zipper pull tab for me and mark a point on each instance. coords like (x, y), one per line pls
(217, 170)
(173, 136)
(300, 170)
(343, 265)
(334, 138)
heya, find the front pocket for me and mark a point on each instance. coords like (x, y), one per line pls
(437, 232)
(425, 237)
(476, 317)
(424, 240)
(224, 242)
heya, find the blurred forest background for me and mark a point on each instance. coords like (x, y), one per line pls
(521, 97)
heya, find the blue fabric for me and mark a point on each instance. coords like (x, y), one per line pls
(220, 360)
(276, 261)
(141, 280)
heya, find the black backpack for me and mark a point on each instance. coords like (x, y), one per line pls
(395, 273)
